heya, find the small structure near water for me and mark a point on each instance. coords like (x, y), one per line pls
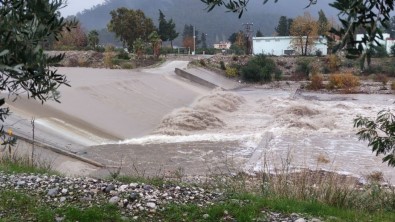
(282, 45)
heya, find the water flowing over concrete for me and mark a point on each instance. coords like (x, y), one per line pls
(154, 120)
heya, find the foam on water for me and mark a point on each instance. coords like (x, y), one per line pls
(249, 140)
(202, 115)
(306, 128)
(219, 102)
(183, 120)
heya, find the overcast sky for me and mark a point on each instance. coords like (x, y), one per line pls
(74, 6)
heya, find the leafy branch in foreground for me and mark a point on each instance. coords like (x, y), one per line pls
(24, 67)
(237, 6)
(380, 134)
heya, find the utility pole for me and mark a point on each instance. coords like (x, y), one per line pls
(194, 41)
(248, 30)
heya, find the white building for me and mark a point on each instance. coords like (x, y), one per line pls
(387, 42)
(281, 45)
(222, 45)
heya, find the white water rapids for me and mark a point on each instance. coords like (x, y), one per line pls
(271, 125)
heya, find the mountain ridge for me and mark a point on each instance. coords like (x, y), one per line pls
(218, 24)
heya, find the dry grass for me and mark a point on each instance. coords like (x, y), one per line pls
(375, 177)
(344, 81)
(317, 82)
(312, 185)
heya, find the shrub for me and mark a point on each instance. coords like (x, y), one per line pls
(381, 78)
(303, 67)
(202, 62)
(393, 85)
(278, 74)
(231, 72)
(379, 52)
(100, 49)
(333, 63)
(251, 73)
(281, 63)
(123, 55)
(237, 50)
(127, 65)
(315, 68)
(373, 69)
(316, 82)
(222, 65)
(266, 74)
(108, 59)
(343, 81)
(73, 62)
(259, 69)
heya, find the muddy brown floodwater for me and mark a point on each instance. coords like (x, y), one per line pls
(252, 127)
(153, 121)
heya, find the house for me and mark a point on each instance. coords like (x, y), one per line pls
(222, 45)
(281, 45)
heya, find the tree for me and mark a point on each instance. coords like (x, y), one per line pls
(129, 25)
(203, 40)
(353, 14)
(24, 27)
(304, 31)
(167, 29)
(232, 38)
(138, 47)
(163, 29)
(241, 40)
(380, 133)
(259, 34)
(171, 28)
(289, 24)
(188, 36)
(71, 39)
(93, 39)
(156, 42)
(282, 28)
(390, 27)
(323, 24)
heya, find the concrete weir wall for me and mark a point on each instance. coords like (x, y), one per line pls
(194, 78)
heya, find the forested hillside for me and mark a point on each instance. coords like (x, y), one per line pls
(217, 24)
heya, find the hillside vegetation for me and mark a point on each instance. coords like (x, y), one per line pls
(217, 24)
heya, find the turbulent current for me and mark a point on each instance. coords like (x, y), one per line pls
(252, 128)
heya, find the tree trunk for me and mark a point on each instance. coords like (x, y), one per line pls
(306, 44)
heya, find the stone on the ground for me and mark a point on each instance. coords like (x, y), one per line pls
(52, 192)
(114, 200)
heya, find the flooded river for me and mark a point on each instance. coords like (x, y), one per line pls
(152, 120)
(253, 129)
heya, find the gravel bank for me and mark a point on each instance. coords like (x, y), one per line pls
(134, 199)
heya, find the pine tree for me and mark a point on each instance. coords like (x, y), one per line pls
(172, 34)
(289, 22)
(323, 24)
(259, 33)
(163, 27)
(282, 27)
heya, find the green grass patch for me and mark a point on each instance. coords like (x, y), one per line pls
(19, 206)
(19, 164)
(248, 207)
